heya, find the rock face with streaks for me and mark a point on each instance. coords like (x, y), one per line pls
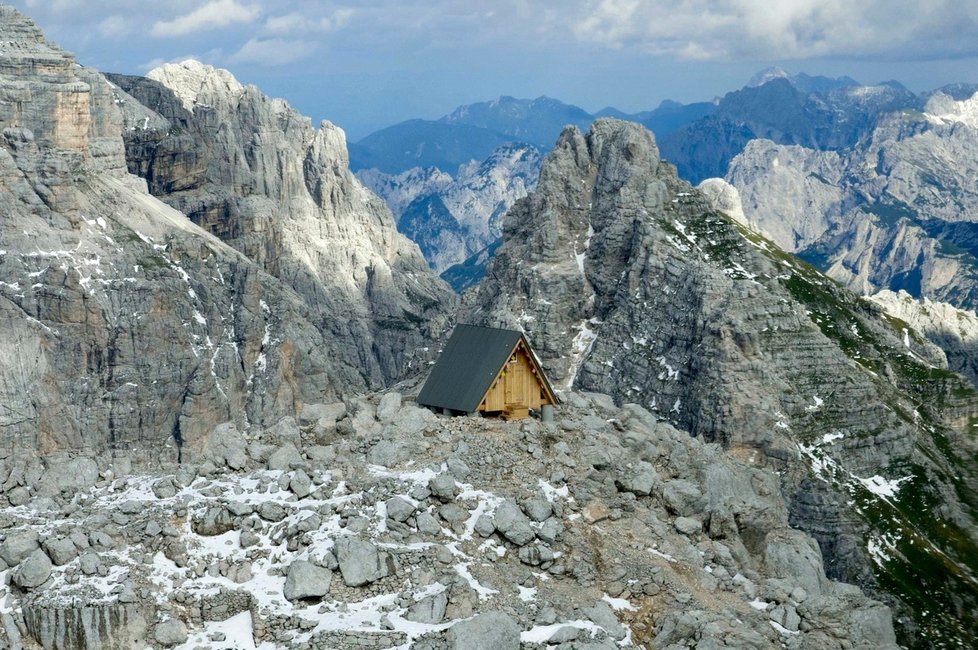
(128, 328)
(256, 174)
(628, 282)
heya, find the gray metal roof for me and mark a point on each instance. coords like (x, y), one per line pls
(470, 361)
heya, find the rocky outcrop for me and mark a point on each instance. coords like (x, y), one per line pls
(628, 283)
(607, 528)
(256, 174)
(453, 218)
(954, 330)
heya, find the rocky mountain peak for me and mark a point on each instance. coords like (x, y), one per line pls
(190, 79)
(767, 74)
(632, 283)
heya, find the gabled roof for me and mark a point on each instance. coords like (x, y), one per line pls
(472, 358)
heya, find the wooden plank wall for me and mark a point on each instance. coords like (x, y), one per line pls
(517, 384)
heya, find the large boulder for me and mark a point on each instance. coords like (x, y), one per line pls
(33, 571)
(513, 524)
(361, 562)
(18, 545)
(170, 633)
(284, 457)
(794, 556)
(493, 630)
(429, 610)
(389, 405)
(306, 580)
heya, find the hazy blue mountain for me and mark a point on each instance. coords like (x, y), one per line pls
(804, 82)
(424, 143)
(536, 121)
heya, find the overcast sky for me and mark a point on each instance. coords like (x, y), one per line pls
(371, 63)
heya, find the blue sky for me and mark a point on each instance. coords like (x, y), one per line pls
(369, 64)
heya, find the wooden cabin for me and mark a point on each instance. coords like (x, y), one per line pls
(487, 370)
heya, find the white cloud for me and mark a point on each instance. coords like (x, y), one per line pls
(273, 51)
(113, 26)
(217, 13)
(296, 22)
(784, 29)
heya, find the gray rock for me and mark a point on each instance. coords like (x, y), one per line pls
(272, 511)
(284, 457)
(538, 509)
(602, 615)
(306, 580)
(164, 488)
(215, 520)
(428, 524)
(485, 525)
(443, 487)
(301, 484)
(458, 468)
(536, 555)
(19, 496)
(89, 563)
(400, 509)
(683, 498)
(412, 420)
(170, 632)
(513, 524)
(564, 634)
(226, 446)
(18, 545)
(551, 531)
(313, 413)
(688, 526)
(493, 630)
(390, 404)
(792, 555)
(33, 571)
(361, 562)
(640, 480)
(388, 453)
(61, 550)
(429, 610)
(453, 513)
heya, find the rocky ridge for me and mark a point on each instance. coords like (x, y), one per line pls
(629, 283)
(256, 174)
(375, 524)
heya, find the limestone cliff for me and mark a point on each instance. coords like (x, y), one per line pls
(629, 283)
(127, 327)
(256, 174)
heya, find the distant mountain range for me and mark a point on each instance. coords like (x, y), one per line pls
(474, 131)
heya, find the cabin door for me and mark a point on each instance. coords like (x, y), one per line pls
(514, 380)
